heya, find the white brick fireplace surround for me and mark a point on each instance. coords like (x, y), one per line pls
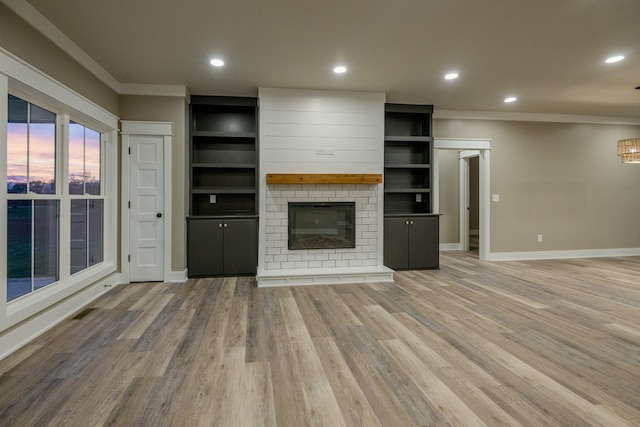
(320, 132)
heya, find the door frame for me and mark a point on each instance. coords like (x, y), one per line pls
(129, 129)
(468, 148)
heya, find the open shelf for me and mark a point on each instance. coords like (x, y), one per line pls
(408, 151)
(223, 156)
(402, 120)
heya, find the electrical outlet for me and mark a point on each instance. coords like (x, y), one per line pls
(539, 238)
(212, 198)
(418, 198)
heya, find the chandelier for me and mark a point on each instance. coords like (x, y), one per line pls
(629, 150)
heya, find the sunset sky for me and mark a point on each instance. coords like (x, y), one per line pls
(41, 150)
(84, 152)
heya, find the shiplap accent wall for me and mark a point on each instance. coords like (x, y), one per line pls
(312, 131)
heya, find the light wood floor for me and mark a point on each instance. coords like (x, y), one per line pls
(510, 343)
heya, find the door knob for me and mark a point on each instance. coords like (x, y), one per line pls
(159, 215)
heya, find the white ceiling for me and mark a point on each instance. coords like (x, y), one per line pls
(548, 53)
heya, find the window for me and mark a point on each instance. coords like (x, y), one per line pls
(36, 203)
(86, 233)
(31, 149)
(33, 226)
(84, 160)
(39, 156)
(87, 211)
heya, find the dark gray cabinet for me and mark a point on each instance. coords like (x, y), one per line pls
(411, 242)
(222, 246)
(223, 197)
(411, 230)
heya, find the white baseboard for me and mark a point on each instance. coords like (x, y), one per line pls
(539, 255)
(178, 276)
(38, 324)
(451, 246)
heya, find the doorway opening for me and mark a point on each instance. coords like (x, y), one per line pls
(470, 201)
(469, 148)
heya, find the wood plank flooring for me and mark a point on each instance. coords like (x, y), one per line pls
(553, 343)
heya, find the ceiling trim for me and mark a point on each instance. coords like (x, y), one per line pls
(153, 90)
(534, 117)
(50, 31)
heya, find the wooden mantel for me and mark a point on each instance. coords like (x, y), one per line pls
(324, 178)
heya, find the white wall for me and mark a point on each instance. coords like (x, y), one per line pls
(297, 125)
(310, 131)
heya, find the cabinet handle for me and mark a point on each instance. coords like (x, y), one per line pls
(411, 222)
(219, 225)
(225, 226)
(406, 222)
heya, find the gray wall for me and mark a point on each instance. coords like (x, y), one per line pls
(561, 180)
(25, 42)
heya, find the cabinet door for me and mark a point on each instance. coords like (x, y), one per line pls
(205, 251)
(240, 246)
(396, 247)
(424, 242)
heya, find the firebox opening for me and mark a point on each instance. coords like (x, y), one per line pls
(314, 225)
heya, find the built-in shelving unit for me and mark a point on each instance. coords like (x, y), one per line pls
(408, 147)
(411, 229)
(223, 156)
(223, 184)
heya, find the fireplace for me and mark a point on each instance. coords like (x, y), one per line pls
(314, 225)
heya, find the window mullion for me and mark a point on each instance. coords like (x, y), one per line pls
(33, 245)
(28, 148)
(65, 200)
(84, 161)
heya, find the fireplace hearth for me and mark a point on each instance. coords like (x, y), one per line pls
(314, 225)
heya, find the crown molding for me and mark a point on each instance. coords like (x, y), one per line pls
(50, 31)
(153, 90)
(534, 117)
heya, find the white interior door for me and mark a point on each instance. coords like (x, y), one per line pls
(146, 217)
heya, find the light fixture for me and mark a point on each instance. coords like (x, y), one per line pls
(613, 59)
(451, 76)
(629, 150)
(217, 62)
(340, 69)
(510, 99)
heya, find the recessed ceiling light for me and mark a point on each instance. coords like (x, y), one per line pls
(510, 99)
(217, 62)
(340, 69)
(451, 76)
(614, 59)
